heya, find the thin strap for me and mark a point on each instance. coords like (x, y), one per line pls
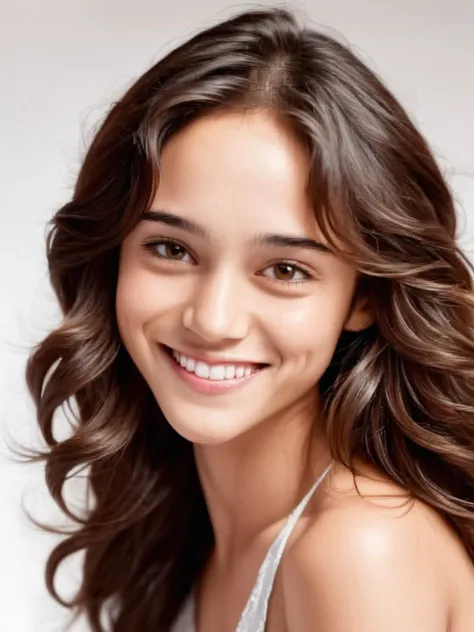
(255, 612)
(185, 621)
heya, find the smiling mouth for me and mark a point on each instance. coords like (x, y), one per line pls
(214, 372)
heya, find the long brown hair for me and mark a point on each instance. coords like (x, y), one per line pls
(399, 395)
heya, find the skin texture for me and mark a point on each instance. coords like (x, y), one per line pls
(398, 566)
(221, 295)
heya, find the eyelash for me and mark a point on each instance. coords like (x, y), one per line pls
(151, 245)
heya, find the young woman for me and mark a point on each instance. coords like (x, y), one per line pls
(268, 333)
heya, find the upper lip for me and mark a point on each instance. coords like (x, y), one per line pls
(213, 359)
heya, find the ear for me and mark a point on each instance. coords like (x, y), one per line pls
(361, 314)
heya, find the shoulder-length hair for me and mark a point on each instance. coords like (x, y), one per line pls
(399, 395)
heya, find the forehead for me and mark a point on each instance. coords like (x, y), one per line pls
(237, 172)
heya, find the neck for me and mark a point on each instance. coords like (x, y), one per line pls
(252, 483)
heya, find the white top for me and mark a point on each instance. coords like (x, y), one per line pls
(254, 616)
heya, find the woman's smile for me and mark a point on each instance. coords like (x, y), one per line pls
(211, 378)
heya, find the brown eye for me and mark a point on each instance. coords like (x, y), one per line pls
(173, 251)
(169, 250)
(284, 271)
(287, 272)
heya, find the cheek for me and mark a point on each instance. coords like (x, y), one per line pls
(308, 330)
(139, 301)
(132, 298)
(141, 297)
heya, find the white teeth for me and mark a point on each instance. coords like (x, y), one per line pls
(202, 370)
(217, 372)
(212, 372)
(229, 372)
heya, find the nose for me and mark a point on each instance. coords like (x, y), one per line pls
(217, 310)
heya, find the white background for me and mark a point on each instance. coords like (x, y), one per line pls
(61, 64)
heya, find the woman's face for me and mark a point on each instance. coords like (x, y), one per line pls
(229, 269)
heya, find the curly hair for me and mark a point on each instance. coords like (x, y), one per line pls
(399, 394)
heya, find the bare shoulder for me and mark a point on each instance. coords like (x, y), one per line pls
(376, 560)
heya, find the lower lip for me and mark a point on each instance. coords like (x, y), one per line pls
(204, 385)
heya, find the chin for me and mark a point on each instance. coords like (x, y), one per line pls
(207, 433)
(199, 437)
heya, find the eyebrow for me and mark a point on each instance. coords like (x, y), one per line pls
(268, 239)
